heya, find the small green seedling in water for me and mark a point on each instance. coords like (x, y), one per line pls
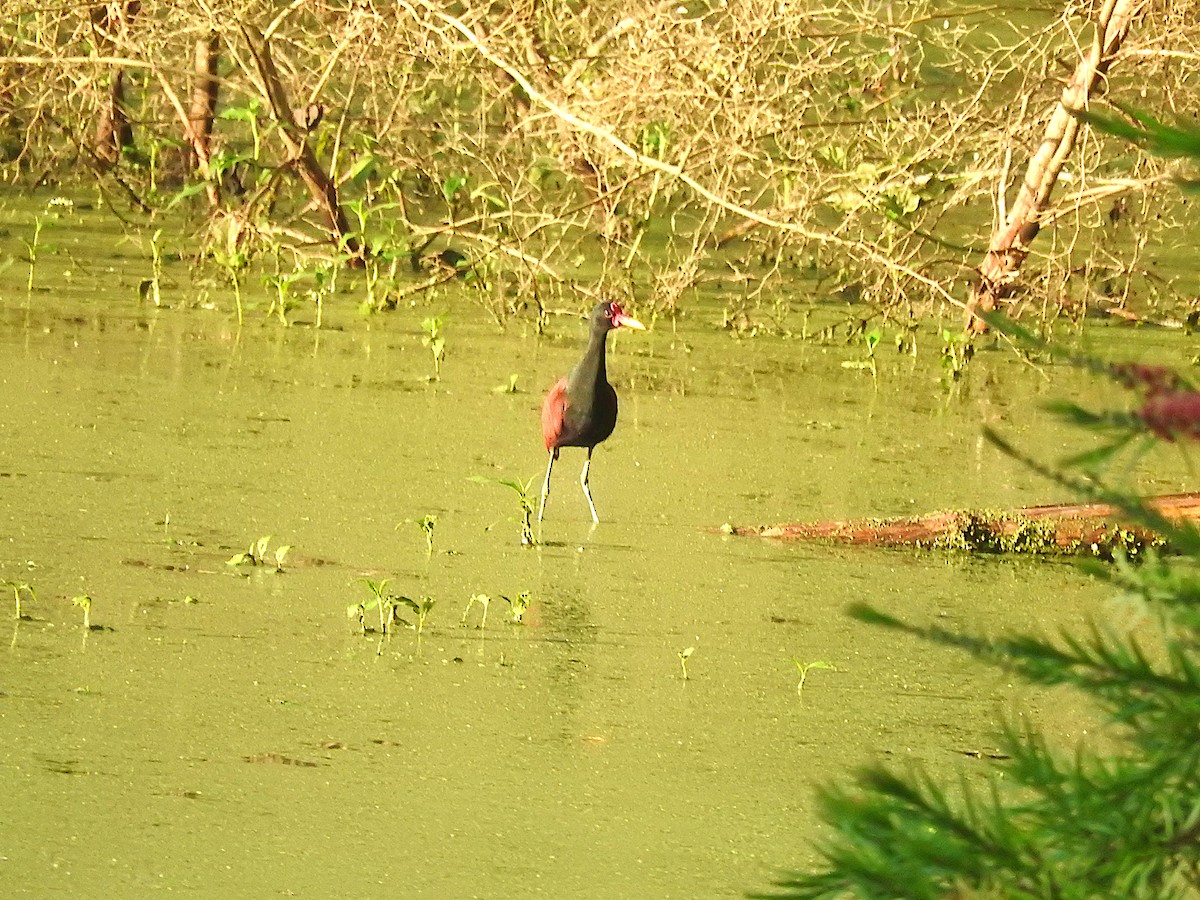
(17, 589)
(150, 288)
(435, 342)
(872, 339)
(422, 610)
(684, 655)
(284, 298)
(805, 668)
(381, 600)
(427, 523)
(524, 500)
(281, 553)
(509, 387)
(84, 602)
(33, 251)
(256, 554)
(358, 611)
(233, 262)
(483, 600)
(517, 605)
(956, 351)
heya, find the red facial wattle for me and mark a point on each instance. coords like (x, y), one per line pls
(620, 320)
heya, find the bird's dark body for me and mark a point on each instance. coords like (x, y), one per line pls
(581, 409)
(577, 419)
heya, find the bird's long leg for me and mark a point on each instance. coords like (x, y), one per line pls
(546, 484)
(587, 492)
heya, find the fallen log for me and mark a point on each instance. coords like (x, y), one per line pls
(1090, 529)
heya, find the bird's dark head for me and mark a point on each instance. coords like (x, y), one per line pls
(609, 315)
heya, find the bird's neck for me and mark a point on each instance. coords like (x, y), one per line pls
(591, 368)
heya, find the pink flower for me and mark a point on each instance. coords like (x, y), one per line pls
(1172, 415)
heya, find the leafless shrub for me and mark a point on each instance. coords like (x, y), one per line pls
(639, 146)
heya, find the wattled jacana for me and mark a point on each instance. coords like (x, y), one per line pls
(581, 408)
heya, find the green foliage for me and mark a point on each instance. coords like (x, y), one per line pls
(284, 299)
(655, 139)
(957, 351)
(454, 189)
(1123, 823)
(1143, 129)
(1047, 823)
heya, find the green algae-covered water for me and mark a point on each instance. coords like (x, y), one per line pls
(230, 731)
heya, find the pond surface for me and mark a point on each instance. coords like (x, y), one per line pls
(230, 730)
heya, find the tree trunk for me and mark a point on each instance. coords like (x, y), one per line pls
(301, 157)
(1011, 240)
(198, 142)
(113, 131)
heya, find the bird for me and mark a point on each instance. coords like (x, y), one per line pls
(581, 409)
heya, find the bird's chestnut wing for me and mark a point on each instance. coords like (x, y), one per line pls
(554, 410)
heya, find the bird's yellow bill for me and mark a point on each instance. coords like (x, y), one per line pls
(620, 320)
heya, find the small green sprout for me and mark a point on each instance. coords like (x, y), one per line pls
(805, 668)
(524, 501)
(151, 288)
(427, 523)
(19, 588)
(358, 611)
(284, 298)
(32, 246)
(871, 339)
(483, 600)
(956, 352)
(84, 602)
(432, 326)
(254, 555)
(509, 387)
(380, 600)
(422, 609)
(517, 605)
(684, 655)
